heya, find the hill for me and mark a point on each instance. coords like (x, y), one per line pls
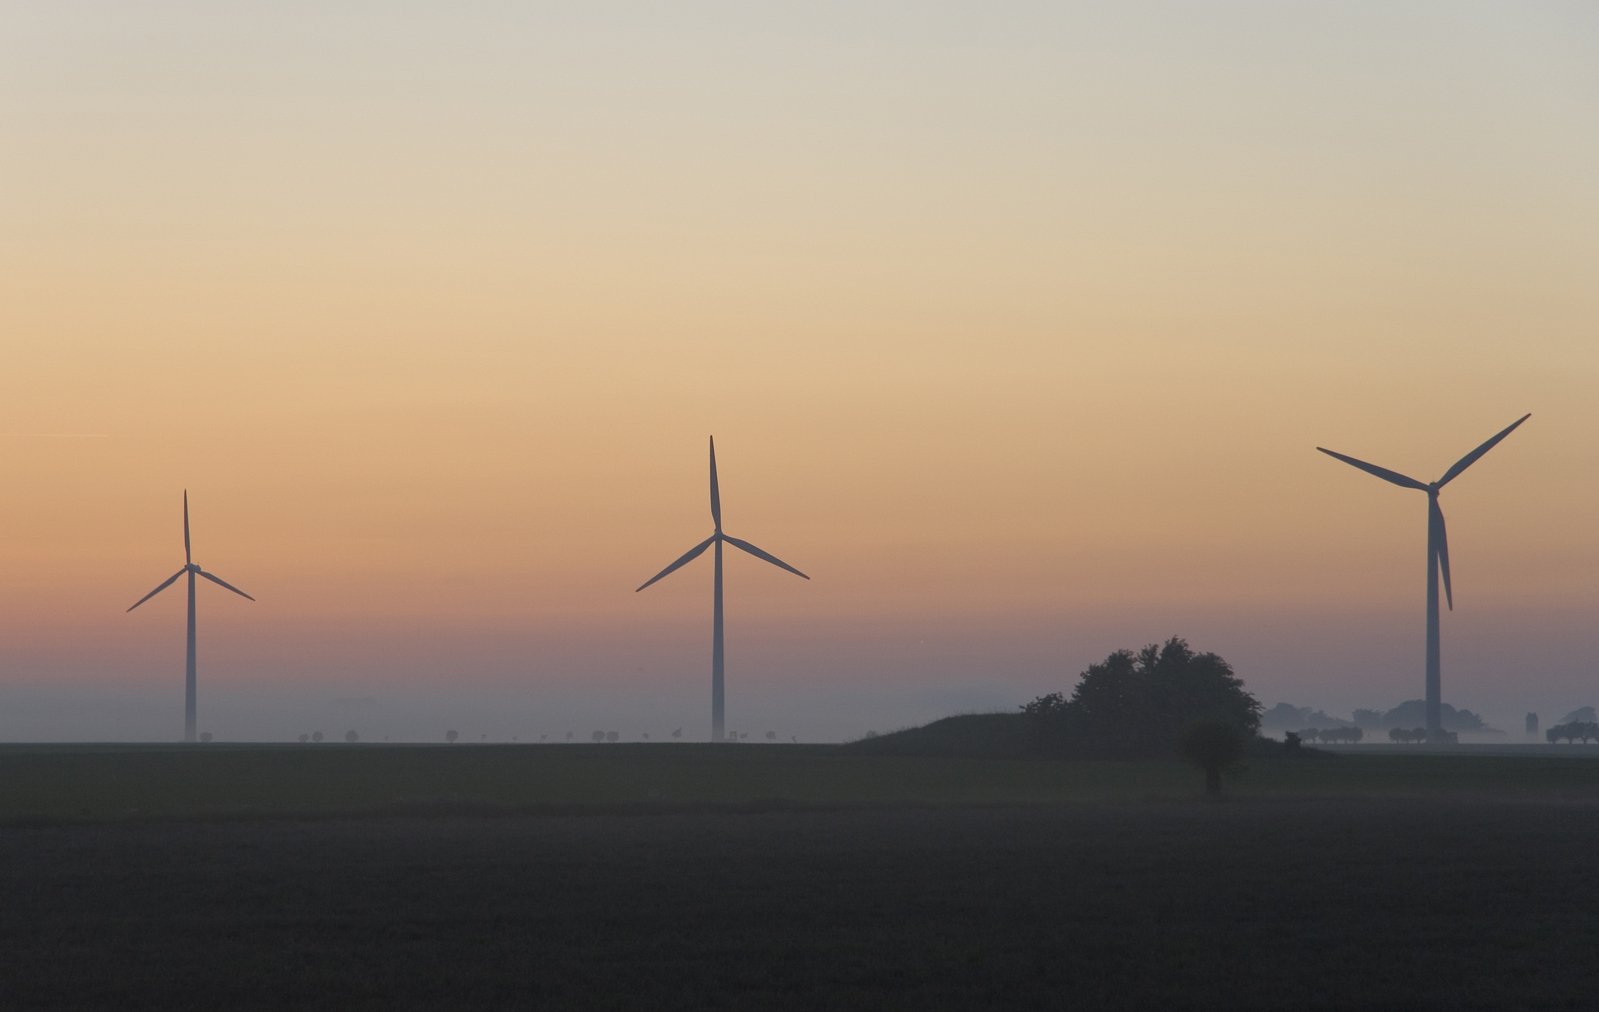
(968, 735)
(1010, 736)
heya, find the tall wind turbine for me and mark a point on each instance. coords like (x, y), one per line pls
(1437, 555)
(190, 568)
(717, 538)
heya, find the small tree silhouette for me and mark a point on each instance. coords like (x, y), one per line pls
(612, 735)
(771, 736)
(598, 736)
(351, 737)
(316, 736)
(450, 736)
(205, 737)
(678, 733)
(1215, 747)
(304, 738)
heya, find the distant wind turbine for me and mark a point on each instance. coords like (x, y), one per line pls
(193, 571)
(717, 538)
(1437, 556)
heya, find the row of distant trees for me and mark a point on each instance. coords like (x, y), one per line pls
(599, 737)
(1573, 731)
(1332, 735)
(1350, 735)
(1304, 719)
(317, 736)
(1419, 735)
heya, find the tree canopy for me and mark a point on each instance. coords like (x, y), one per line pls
(1140, 702)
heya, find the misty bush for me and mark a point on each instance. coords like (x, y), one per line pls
(316, 736)
(1573, 731)
(351, 737)
(451, 736)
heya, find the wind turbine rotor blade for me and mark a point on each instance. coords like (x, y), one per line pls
(1440, 538)
(1471, 458)
(223, 583)
(1403, 481)
(767, 556)
(682, 560)
(716, 491)
(164, 585)
(187, 556)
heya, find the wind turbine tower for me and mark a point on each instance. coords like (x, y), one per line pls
(716, 539)
(192, 570)
(1437, 556)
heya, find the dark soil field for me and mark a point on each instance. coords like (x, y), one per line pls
(1337, 882)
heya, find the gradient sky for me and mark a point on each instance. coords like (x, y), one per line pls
(1017, 331)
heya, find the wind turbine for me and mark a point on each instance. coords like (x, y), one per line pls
(190, 568)
(717, 538)
(1437, 555)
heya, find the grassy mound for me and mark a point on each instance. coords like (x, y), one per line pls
(1009, 736)
(969, 735)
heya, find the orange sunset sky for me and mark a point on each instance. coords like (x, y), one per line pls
(1017, 331)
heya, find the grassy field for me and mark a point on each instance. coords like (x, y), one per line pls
(47, 783)
(681, 876)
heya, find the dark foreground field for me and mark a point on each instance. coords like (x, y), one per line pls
(1430, 895)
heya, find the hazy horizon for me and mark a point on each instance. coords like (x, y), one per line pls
(1017, 331)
